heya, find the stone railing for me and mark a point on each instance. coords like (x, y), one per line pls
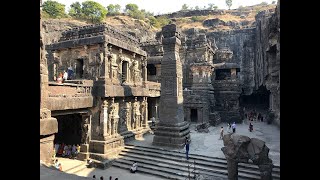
(154, 88)
(227, 85)
(70, 89)
(70, 95)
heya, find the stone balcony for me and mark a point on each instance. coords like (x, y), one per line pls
(154, 88)
(227, 85)
(74, 94)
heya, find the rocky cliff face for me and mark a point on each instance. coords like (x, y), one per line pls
(242, 43)
(267, 57)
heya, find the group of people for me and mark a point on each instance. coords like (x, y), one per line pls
(101, 177)
(233, 127)
(66, 75)
(70, 151)
(253, 116)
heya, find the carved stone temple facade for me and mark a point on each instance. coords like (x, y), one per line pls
(196, 54)
(104, 102)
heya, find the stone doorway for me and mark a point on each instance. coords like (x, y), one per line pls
(79, 68)
(194, 115)
(69, 129)
(125, 66)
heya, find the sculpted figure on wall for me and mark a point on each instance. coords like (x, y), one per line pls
(127, 115)
(85, 130)
(113, 118)
(143, 111)
(136, 114)
(136, 72)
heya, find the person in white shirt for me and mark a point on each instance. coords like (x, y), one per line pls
(65, 76)
(134, 167)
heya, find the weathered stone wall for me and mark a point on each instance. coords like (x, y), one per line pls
(267, 57)
(242, 44)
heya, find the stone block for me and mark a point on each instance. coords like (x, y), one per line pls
(48, 126)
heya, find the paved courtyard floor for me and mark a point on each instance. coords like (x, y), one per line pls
(207, 144)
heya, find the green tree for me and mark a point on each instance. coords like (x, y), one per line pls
(184, 7)
(93, 11)
(229, 3)
(75, 10)
(113, 9)
(163, 20)
(54, 9)
(196, 8)
(211, 6)
(131, 7)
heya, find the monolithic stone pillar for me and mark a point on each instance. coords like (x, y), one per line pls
(232, 169)
(172, 129)
(266, 171)
(104, 119)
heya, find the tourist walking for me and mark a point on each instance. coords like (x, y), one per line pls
(234, 127)
(221, 133)
(250, 127)
(229, 128)
(187, 143)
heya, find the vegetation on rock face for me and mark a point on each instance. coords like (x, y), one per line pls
(229, 3)
(53, 9)
(132, 16)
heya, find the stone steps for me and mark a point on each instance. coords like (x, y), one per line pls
(201, 159)
(77, 168)
(173, 164)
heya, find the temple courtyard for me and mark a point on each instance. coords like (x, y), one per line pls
(206, 144)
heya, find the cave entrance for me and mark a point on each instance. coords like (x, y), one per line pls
(259, 99)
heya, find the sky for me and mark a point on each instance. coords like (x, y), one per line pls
(169, 6)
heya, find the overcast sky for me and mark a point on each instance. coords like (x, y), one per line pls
(167, 6)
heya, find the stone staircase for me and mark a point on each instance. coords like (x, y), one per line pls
(173, 164)
(76, 168)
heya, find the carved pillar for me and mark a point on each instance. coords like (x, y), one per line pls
(128, 115)
(232, 169)
(144, 70)
(158, 72)
(266, 171)
(104, 119)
